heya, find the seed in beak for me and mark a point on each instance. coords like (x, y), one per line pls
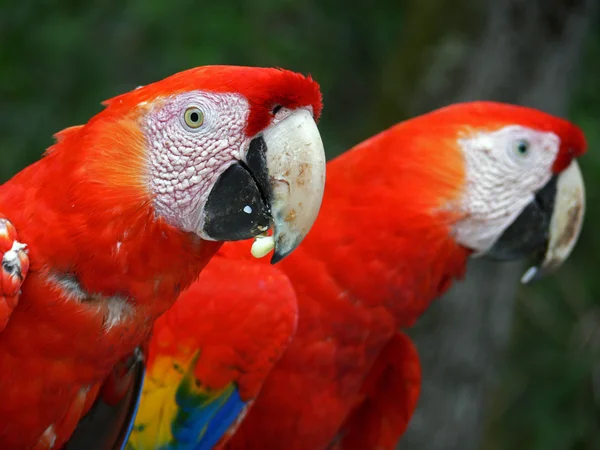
(262, 246)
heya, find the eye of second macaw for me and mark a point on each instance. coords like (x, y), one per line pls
(521, 148)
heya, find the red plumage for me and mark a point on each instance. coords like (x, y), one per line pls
(286, 88)
(380, 252)
(85, 211)
(237, 337)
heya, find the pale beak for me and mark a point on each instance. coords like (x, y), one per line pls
(565, 224)
(296, 167)
(278, 185)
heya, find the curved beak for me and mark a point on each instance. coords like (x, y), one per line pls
(565, 224)
(548, 227)
(278, 185)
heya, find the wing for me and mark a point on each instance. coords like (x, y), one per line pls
(108, 423)
(391, 391)
(210, 353)
(15, 264)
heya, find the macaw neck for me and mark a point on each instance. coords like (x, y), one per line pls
(104, 237)
(380, 245)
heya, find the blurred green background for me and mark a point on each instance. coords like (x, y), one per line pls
(538, 384)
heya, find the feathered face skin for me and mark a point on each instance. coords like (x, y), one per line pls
(123, 212)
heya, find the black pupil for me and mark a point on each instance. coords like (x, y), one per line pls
(194, 117)
(276, 109)
(522, 147)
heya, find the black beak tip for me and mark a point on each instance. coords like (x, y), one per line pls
(284, 247)
(277, 256)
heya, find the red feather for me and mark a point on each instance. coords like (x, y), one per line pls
(286, 88)
(379, 253)
(71, 208)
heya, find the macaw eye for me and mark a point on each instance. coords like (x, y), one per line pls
(521, 148)
(193, 117)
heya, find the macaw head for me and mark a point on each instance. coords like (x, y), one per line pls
(224, 152)
(524, 190)
(501, 179)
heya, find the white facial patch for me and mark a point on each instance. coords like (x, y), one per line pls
(504, 170)
(184, 161)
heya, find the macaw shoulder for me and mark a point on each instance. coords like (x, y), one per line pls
(210, 354)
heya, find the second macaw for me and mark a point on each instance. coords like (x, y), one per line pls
(402, 213)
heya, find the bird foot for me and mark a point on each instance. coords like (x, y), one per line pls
(14, 268)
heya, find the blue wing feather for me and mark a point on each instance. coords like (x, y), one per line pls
(224, 418)
(185, 416)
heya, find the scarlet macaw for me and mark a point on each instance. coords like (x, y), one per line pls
(98, 238)
(402, 213)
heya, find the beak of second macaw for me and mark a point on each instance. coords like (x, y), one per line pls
(548, 227)
(277, 186)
